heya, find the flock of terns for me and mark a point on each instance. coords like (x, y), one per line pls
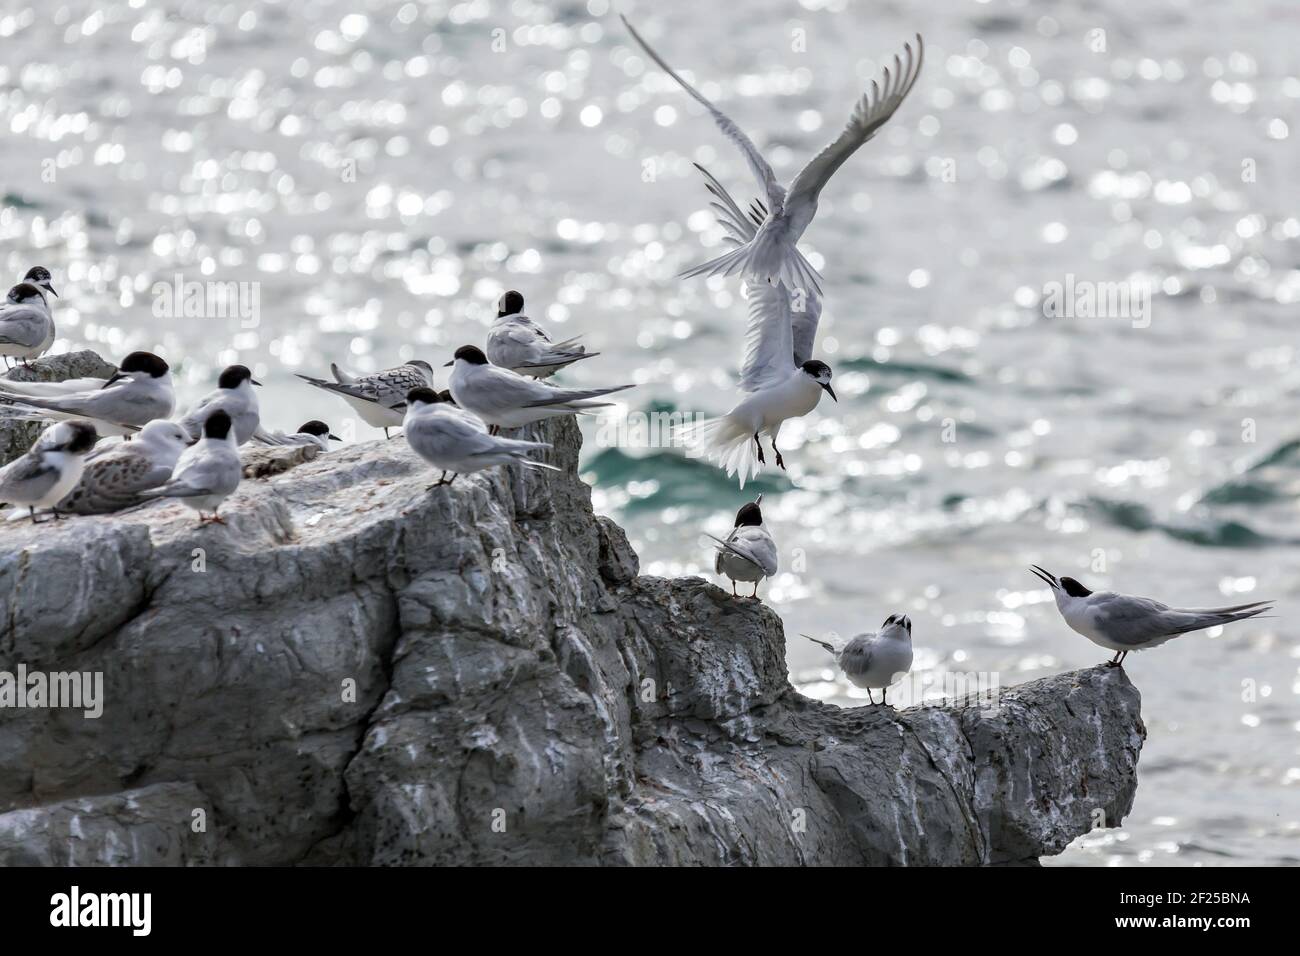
(194, 457)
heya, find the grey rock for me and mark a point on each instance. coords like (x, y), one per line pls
(358, 669)
(164, 825)
(17, 436)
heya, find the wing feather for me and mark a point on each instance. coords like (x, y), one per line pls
(762, 171)
(872, 111)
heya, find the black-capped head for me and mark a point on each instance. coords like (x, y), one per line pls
(750, 514)
(898, 620)
(25, 292)
(40, 276)
(423, 396)
(471, 354)
(512, 303)
(81, 437)
(145, 362)
(317, 428)
(445, 396)
(217, 425)
(820, 373)
(236, 375)
(1074, 588)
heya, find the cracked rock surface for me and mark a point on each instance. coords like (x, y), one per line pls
(359, 670)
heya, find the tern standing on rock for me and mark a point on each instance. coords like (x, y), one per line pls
(874, 661)
(749, 552)
(138, 392)
(26, 327)
(50, 468)
(1125, 622)
(208, 472)
(453, 441)
(233, 395)
(516, 342)
(116, 475)
(506, 399)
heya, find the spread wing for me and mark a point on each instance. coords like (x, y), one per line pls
(805, 310)
(869, 115)
(805, 315)
(769, 337)
(762, 171)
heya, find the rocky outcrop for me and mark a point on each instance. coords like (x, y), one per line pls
(358, 669)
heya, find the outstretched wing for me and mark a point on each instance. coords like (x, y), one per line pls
(806, 309)
(740, 227)
(805, 314)
(871, 112)
(762, 171)
(769, 337)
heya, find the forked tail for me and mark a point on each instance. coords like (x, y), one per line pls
(726, 441)
(766, 258)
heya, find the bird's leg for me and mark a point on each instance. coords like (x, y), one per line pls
(869, 697)
(1120, 662)
(761, 459)
(33, 511)
(494, 430)
(780, 462)
(386, 435)
(57, 516)
(755, 594)
(884, 695)
(1114, 661)
(733, 589)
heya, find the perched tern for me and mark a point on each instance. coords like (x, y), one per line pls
(314, 432)
(26, 327)
(771, 255)
(234, 396)
(378, 398)
(1124, 622)
(516, 342)
(50, 468)
(116, 475)
(138, 392)
(208, 471)
(776, 389)
(40, 277)
(453, 441)
(506, 399)
(749, 552)
(874, 661)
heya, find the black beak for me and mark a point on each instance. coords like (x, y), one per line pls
(450, 364)
(52, 292)
(116, 377)
(253, 381)
(1046, 576)
(830, 391)
(333, 437)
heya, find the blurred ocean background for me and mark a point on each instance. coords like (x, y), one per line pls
(383, 171)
